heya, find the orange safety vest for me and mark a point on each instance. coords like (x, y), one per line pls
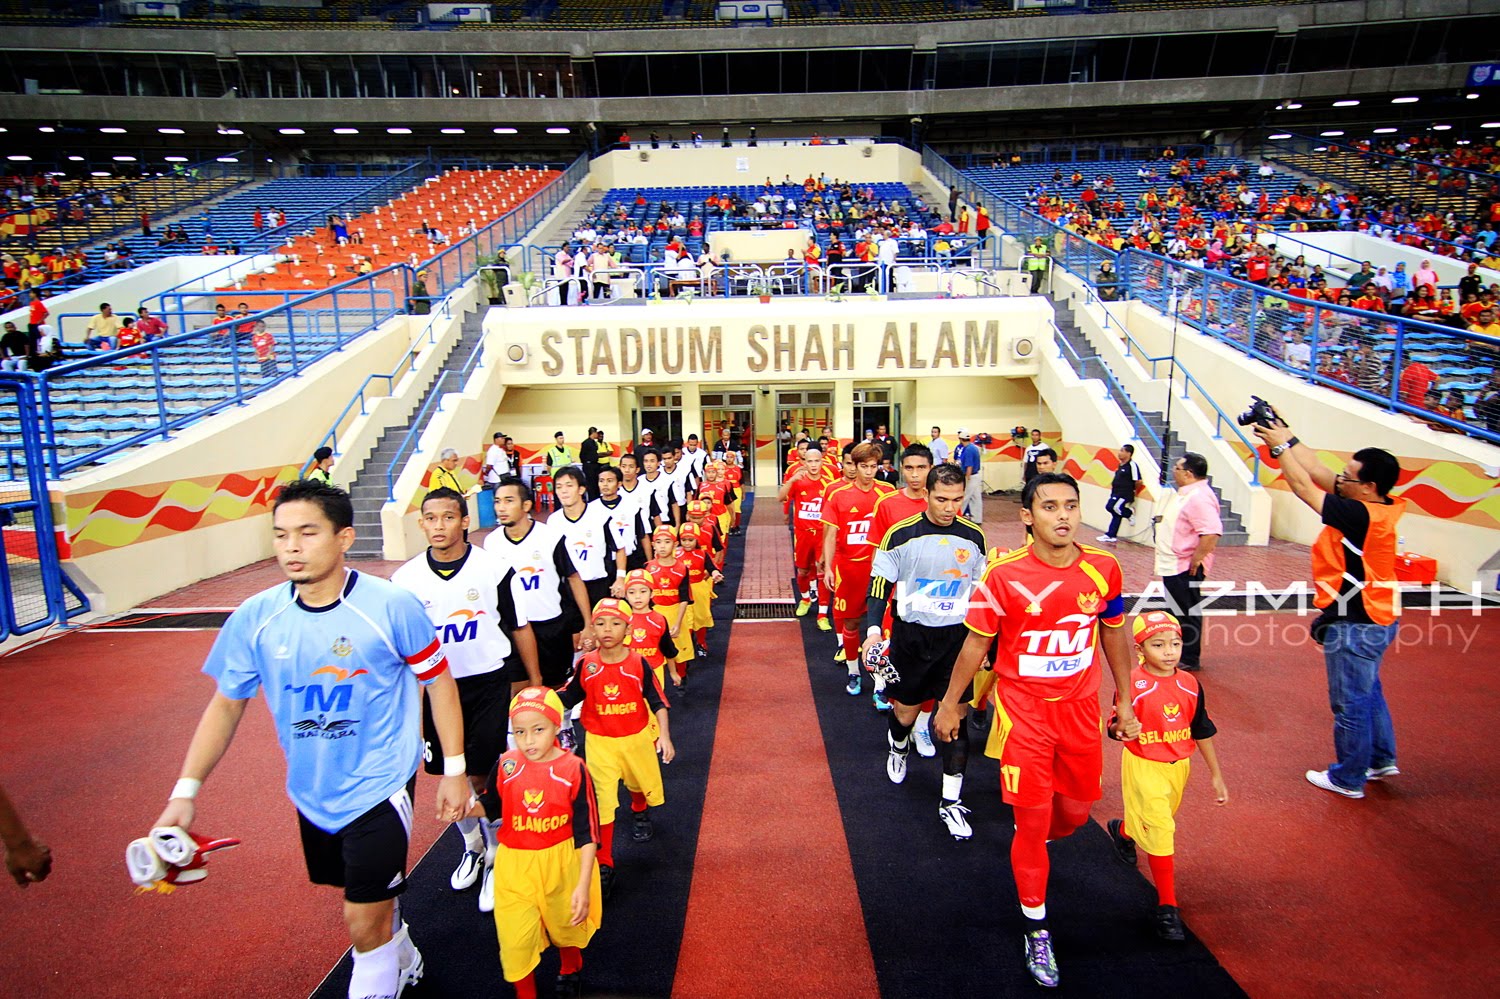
(1331, 569)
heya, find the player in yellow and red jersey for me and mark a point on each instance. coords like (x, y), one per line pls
(648, 628)
(1154, 768)
(699, 516)
(846, 515)
(547, 835)
(735, 476)
(1052, 605)
(802, 497)
(701, 579)
(671, 594)
(625, 716)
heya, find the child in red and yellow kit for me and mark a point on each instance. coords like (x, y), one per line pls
(701, 579)
(1154, 768)
(671, 594)
(648, 628)
(719, 494)
(547, 833)
(625, 717)
(700, 516)
(734, 475)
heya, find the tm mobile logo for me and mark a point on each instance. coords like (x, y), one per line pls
(320, 701)
(464, 629)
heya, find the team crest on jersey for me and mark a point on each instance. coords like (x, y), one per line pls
(611, 690)
(961, 554)
(533, 800)
(473, 594)
(592, 668)
(508, 767)
(1142, 684)
(1090, 603)
(1172, 712)
(1033, 608)
(638, 635)
(343, 646)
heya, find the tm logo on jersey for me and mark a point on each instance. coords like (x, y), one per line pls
(319, 701)
(466, 628)
(531, 577)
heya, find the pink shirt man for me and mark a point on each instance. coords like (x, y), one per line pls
(1187, 514)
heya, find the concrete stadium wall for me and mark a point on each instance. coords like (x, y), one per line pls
(181, 510)
(713, 164)
(1451, 482)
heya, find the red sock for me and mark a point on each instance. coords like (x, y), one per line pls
(804, 583)
(681, 671)
(526, 987)
(851, 640)
(1029, 862)
(607, 845)
(1161, 873)
(572, 960)
(701, 634)
(638, 801)
(1067, 815)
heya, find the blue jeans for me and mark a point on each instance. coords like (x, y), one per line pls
(1362, 733)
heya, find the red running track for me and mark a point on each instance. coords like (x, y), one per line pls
(95, 728)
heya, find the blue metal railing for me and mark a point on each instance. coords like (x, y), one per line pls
(1221, 418)
(1065, 349)
(53, 583)
(1257, 321)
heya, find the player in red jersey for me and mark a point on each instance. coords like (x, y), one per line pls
(847, 513)
(1052, 605)
(890, 510)
(802, 496)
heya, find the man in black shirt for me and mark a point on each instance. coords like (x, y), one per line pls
(588, 456)
(15, 348)
(1121, 492)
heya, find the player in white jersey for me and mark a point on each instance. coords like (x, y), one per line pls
(664, 509)
(635, 491)
(341, 657)
(585, 527)
(477, 607)
(556, 602)
(620, 515)
(695, 457)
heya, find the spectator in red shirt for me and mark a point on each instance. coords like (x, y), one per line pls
(150, 326)
(265, 352)
(1416, 379)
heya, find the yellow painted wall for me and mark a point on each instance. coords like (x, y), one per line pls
(716, 165)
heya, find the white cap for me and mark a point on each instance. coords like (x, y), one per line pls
(646, 431)
(963, 432)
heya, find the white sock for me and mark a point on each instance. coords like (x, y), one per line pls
(377, 972)
(924, 718)
(487, 831)
(473, 838)
(854, 668)
(953, 787)
(1034, 911)
(879, 682)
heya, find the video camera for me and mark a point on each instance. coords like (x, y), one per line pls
(1260, 413)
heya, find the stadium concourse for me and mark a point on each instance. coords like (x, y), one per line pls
(784, 862)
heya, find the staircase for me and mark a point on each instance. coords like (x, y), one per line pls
(1147, 425)
(369, 489)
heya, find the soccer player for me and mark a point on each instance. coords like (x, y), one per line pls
(672, 595)
(541, 800)
(475, 605)
(620, 701)
(556, 600)
(891, 509)
(1154, 767)
(1053, 604)
(1046, 461)
(695, 457)
(665, 505)
(620, 511)
(922, 575)
(641, 497)
(648, 628)
(586, 529)
(802, 495)
(342, 657)
(846, 516)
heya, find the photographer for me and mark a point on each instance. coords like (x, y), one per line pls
(1353, 564)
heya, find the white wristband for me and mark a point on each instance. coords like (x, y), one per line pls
(455, 766)
(185, 787)
(873, 631)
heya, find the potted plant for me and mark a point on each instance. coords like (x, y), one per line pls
(836, 292)
(489, 278)
(760, 285)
